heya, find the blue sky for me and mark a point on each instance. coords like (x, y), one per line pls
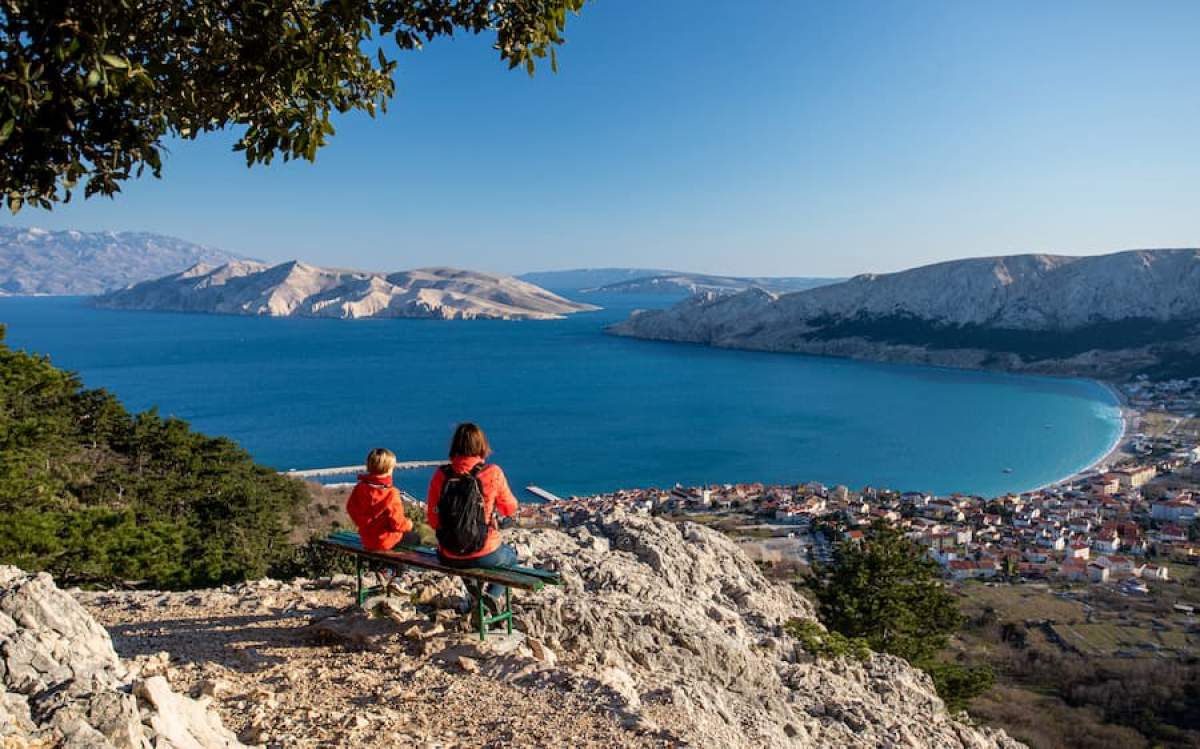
(758, 137)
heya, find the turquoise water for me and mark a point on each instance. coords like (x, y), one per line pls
(570, 408)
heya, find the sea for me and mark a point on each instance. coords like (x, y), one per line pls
(570, 408)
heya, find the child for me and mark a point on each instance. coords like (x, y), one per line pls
(375, 505)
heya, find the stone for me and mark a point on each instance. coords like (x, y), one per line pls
(496, 644)
(541, 652)
(467, 665)
(216, 689)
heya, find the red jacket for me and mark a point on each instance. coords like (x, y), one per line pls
(376, 509)
(496, 497)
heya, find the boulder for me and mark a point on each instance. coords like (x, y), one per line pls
(65, 686)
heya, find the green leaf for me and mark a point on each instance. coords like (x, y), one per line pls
(114, 61)
(6, 130)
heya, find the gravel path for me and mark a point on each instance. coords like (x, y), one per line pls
(278, 681)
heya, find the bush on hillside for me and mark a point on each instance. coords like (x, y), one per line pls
(94, 494)
(821, 643)
(885, 592)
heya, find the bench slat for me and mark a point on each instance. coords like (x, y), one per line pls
(550, 578)
(500, 575)
(352, 540)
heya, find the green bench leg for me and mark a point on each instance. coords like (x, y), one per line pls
(360, 595)
(361, 591)
(485, 621)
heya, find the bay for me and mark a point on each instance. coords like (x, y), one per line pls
(570, 408)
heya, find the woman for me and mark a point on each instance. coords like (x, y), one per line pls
(465, 497)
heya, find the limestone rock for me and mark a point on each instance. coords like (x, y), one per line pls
(468, 665)
(65, 686)
(674, 614)
(180, 722)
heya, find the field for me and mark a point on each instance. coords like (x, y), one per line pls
(1020, 602)
(1112, 640)
(1085, 666)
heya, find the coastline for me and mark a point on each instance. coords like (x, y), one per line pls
(1129, 419)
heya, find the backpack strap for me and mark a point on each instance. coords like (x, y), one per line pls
(492, 521)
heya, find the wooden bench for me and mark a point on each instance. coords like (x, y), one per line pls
(425, 557)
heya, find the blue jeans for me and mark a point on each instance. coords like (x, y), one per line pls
(503, 556)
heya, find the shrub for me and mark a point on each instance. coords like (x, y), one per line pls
(94, 494)
(820, 643)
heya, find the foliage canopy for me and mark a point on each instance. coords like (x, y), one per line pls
(884, 591)
(92, 89)
(94, 494)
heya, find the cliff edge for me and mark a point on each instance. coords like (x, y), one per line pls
(663, 634)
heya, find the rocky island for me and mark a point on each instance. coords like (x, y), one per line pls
(1108, 316)
(297, 289)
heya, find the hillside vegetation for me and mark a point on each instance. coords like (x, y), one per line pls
(94, 494)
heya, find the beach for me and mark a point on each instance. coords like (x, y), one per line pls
(1117, 450)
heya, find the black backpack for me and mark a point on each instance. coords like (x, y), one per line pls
(462, 527)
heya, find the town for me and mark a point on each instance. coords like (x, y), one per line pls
(1117, 524)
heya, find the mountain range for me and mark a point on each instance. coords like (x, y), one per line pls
(297, 289)
(658, 281)
(37, 261)
(1107, 316)
(694, 283)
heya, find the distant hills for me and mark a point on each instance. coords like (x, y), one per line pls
(1107, 316)
(694, 283)
(37, 261)
(587, 278)
(657, 281)
(296, 289)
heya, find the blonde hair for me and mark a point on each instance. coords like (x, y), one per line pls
(380, 461)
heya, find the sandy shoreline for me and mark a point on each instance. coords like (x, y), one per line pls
(1129, 419)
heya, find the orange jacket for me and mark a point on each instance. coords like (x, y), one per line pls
(496, 497)
(376, 509)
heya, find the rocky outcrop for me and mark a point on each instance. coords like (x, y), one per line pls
(37, 261)
(1108, 316)
(64, 685)
(297, 289)
(676, 620)
(663, 634)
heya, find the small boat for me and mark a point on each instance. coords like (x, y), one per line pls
(1008, 470)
